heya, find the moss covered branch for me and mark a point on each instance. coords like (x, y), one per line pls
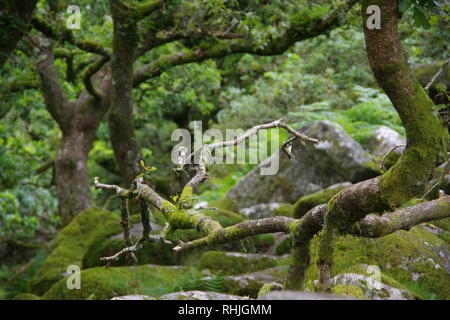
(65, 35)
(306, 25)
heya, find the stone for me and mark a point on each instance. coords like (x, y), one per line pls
(267, 210)
(383, 140)
(200, 295)
(336, 158)
(371, 288)
(249, 284)
(301, 295)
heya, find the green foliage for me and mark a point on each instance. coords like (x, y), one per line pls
(425, 12)
(193, 280)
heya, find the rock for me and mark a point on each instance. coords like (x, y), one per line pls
(186, 295)
(399, 256)
(134, 297)
(70, 246)
(235, 262)
(301, 295)
(369, 287)
(304, 204)
(267, 210)
(200, 295)
(417, 260)
(383, 140)
(103, 284)
(337, 158)
(249, 284)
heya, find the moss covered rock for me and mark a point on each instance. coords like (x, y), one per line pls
(304, 204)
(362, 286)
(105, 283)
(348, 290)
(70, 246)
(249, 284)
(417, 260)
(235, 262)
(337, 158)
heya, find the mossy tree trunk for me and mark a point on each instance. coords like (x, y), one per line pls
(126, 148)
(427, 138)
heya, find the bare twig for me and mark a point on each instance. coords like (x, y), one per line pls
(103, 186)
(446, 168)
(275, 124)
(427, 87)
(383, 162)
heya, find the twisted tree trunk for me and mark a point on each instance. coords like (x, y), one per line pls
(78, 121)
(427, 138)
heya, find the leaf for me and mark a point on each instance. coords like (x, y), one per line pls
(441, 87)
(420, 18)
(404, 5)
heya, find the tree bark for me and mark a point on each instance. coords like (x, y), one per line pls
(121, 124)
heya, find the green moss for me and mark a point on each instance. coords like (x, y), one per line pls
(265, 289)
(304, 204)
(348, 290)
(225, 217)
(285, 210)
(100, 283)
(71, 245)
(285, 246)
(235, 263)
(26, 296)
(442, 223)
(399, 256)
(226, 204)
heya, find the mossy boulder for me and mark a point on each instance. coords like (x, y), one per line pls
(336, 158)
(70, 246)
(249, 284)
(417, 260)
(105, 283)
(361, 286)
(185, 295)
(348, 290)
(304, 204)
(26, 296)
(235, 262)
